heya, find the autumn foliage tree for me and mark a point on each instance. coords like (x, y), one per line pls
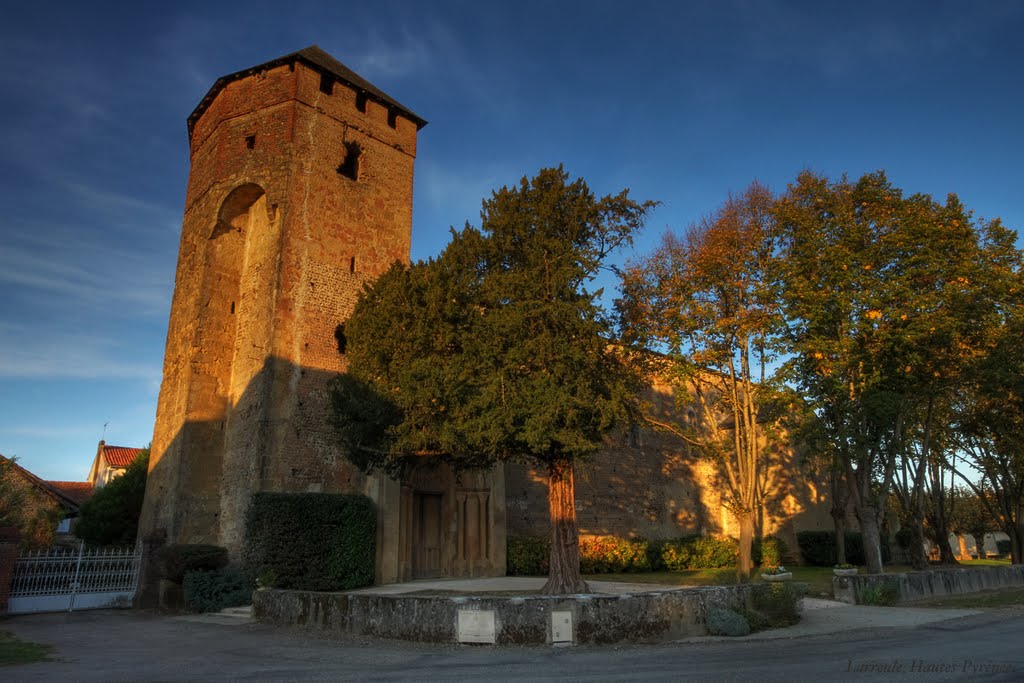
(497, 350)
(991, 418)
(888, 300)
(707, 303)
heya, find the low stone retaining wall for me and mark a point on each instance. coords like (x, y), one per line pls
(931, 583)
(528, 620)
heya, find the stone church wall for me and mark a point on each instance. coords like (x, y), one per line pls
(648, 484)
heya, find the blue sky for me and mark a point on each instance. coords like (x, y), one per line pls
(681, 102)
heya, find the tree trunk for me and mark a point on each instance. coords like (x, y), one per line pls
(946, 555)
(918, 556)
(839, 522)
(564, 565)
(746, 558)
(867, 515)
(1016, 534)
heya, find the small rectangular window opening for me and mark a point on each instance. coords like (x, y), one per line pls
(232, 308)
(392, 118)
(250, 141)
(352, 265)
(361, 101)
(326, 84)
(349, 166)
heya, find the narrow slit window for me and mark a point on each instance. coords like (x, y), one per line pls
(349, 166)
(340, 338)
(361, 102)
(352, 265)
(326, 84)
(250, 141)
(232, 308)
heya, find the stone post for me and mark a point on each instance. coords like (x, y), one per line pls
(148, 594)
(9, 539)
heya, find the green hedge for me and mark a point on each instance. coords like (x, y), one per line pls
(212, 591)
(699, 552)
(613, 555)
(175, 561)
(819, 548)
(774, 605)
(527, 555)
(311, 541)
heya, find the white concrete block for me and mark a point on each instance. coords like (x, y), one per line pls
(476, 626)
(561, 627)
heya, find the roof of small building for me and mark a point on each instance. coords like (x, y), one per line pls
(78, 491)
(316, 58)
(62, 497)
(120, 456)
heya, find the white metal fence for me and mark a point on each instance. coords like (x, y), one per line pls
(58, 579)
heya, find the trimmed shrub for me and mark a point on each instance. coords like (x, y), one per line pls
(769, 551)
(611, 554)
(725, 622)
(818, 548)
(882, 593)
(654, 559)
(311, 541)
(212, 591)
(775, 605)
(527, 555)
(699, 552)
(178, 560)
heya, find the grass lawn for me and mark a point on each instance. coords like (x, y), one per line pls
(818, 579)
(985, 563)
(14, 651)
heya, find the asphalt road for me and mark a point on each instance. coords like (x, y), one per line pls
(133, 646)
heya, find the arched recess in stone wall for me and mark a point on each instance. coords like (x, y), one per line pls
(243, 214)
(220, 377)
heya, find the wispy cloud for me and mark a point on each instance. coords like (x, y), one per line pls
(24, 353)
(84, 274)
(49, 431)
(110, 202)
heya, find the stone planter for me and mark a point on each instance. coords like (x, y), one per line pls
(784, 576)
(852, 571)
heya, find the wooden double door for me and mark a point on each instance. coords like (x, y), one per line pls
(427, 535)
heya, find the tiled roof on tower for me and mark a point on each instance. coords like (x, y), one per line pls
(316, 58)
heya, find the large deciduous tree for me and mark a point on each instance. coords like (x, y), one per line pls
(889, 301)
(707, 302)
(991, 418)
(834, 269)
(497, 350)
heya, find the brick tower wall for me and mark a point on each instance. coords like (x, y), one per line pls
(276, 245)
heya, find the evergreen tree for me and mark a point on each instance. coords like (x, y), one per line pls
(111, 516)
(497, 350)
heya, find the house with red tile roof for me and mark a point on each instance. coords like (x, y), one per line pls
(69, 495)
(111, 462)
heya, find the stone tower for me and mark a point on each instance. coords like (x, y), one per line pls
(300, 190)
